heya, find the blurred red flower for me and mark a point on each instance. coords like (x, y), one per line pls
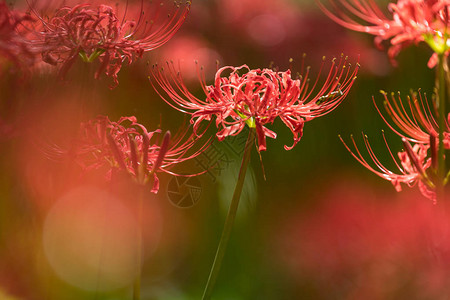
(114, 34)
(186, 50)
(14, 45)
(133, 149)
(364, 244)
(412, 21)
(268, 24)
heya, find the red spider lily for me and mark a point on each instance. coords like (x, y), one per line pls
(412, 163)
(113, 36)
(257, 97)
(132, 149)
(412, 21)
(13, 43)
(415, 119)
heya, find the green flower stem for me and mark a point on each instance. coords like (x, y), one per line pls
(230, 217)
(441, 102)
(91, 57)
(137, 281)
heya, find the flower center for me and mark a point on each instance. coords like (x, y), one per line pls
(91, 57)
(439, 42)
(250, 121)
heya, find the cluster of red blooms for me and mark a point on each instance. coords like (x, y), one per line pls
(59, 32)
(412, 21)
(128, 146)
(112, 34)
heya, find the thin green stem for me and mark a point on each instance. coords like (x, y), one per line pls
(441, 102)
(230, 217)
(137, 281)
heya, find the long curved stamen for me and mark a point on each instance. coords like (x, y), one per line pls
(415, 125)
(405, 176)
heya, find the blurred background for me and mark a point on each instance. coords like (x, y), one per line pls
(320, 226)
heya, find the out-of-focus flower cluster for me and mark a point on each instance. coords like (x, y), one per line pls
(14, 44)
(364, 244)
(112, 34)
(412, 21)
(132, 148)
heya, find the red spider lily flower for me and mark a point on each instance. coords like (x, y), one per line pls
(13, 42)
(412, 21)
(257, 97)
(414, 120)
(133, 149)
(412, 163)
(112, 35)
